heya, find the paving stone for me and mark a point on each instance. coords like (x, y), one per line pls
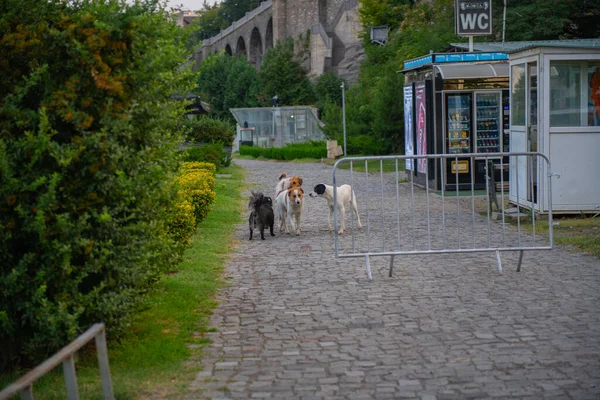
(294, 322)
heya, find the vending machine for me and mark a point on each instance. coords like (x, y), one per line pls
(476, 122)
(488, 124)
(458, 138)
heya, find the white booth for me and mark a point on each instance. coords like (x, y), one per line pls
(555, 110)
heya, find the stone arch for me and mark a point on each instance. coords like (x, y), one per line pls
(228, 50)
(240, 48)
(269, 35)
(256, 52)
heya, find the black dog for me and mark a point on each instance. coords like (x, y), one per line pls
(261, 214)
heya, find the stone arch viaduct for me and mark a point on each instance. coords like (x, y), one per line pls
(333, 27)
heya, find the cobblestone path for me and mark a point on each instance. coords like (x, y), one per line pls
(294, 322)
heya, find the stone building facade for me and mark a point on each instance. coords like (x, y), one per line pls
(333, 27)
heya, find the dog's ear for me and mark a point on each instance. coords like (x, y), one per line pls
(282, 176)
(301, 190)
(300, 181)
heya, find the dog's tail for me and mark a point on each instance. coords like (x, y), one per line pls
(284, 175)
(255, 199)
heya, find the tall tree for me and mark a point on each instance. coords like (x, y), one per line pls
(382, 12)
(207, 25)
(227, 82)
(233, 10)
(282, 76)
(328, 87)
(548, 19)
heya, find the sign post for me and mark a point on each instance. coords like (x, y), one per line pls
(473, 18)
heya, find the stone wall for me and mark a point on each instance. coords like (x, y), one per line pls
(333, 25)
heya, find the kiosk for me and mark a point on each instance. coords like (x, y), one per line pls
(555, 110)
(456, 103)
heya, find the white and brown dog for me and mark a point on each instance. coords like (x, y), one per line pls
(345, 196)
(287, 182)
(288, 206)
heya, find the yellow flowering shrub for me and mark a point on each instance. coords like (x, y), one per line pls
(182, 221)
(198, 187)
(197, 165)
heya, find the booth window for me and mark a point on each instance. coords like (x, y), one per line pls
(574, 93)
(517, 93)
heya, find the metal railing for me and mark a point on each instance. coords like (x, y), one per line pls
(24, 385)
(404, 217)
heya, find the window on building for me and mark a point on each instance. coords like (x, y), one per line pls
(574, 93)
(518, 91)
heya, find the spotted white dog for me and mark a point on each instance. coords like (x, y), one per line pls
(345, 197)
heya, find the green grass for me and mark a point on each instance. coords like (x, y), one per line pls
(152, 359)
(579, 232)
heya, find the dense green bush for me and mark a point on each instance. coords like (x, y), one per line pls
(365, 145)
(211, 153)
(205, 129)
(88, 153)
(296, 151)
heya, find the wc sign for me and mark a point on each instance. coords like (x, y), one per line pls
(473, 17)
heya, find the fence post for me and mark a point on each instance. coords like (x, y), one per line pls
(71, 378)
(102, 351)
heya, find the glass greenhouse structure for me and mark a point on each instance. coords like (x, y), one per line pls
(276, 126)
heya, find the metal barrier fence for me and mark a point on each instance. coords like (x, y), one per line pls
(24, 385)
(404, 217)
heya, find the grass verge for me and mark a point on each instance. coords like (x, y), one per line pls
(578, 232)
(152, 361)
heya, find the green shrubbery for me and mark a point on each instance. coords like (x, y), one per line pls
(365, 145)
(290, 152)
(205, 129)
(213, 153)
(88, 154)
(212, 136)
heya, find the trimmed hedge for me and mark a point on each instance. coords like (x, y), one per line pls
(195, 193)
(198, 187)
(196, 165)
(296, 151)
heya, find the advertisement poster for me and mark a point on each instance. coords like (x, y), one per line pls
(408, 125)
(421, 126)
